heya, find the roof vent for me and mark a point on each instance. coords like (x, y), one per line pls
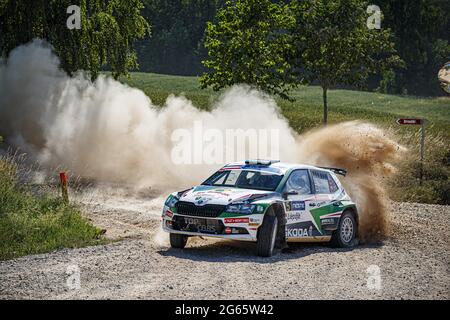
(260, 162)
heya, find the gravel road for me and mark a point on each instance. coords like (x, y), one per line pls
(413, 263)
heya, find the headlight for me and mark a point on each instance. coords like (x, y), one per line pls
(241, 208)
(171, 201)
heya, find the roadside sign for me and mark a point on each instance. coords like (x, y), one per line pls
(409, 121)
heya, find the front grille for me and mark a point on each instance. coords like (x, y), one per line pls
(207, 211)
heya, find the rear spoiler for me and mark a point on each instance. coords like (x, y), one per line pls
(342, 172)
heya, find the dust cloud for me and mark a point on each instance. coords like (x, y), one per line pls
(107, 131)
(368, 154)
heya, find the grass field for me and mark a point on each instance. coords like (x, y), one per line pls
(34, 221)
(306, 111)
(382, 109)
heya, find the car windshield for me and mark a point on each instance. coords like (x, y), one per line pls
(246, 179)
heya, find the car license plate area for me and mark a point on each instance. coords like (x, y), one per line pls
(194, 224)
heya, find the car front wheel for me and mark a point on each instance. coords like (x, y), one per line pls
(266, 236)
(178, 240)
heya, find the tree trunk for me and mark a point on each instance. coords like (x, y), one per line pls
(325, 106)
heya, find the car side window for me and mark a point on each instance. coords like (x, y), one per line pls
(332, 184)
(321, 183)
(299, 181)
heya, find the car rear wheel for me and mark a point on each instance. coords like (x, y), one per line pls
(178, 240)
(345, 235)
(266, 236)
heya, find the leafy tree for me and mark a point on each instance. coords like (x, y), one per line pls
(275, 46)
(248, 43)
(336, 47)
(108, 29)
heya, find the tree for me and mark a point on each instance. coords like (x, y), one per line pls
(334, 45)
(105, 39)
(248, 43)
(276, 46)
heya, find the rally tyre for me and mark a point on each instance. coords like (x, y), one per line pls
(266, 236)
(178, 240)
(345, 235)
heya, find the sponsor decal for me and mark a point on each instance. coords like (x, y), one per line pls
(295, 205)
(200, 227)
(298, 232)
(287, 205)
(200, 200)
(236, 220)
(298, 205)
(327, 221)
(294, 216)
(255, 220)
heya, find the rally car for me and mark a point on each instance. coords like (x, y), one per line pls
(265, 201)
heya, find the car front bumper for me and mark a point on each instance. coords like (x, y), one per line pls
(240, 237)
(243, 228)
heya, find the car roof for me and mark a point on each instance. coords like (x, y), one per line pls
(282, 167)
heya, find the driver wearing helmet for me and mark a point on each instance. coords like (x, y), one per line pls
(297, 183)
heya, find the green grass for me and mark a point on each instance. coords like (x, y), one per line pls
(381, 109)
(36, 222)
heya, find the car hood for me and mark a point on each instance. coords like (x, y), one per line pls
(202, 195)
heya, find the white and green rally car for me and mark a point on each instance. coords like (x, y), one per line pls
(264, 201)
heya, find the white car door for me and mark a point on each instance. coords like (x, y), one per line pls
(299, 222)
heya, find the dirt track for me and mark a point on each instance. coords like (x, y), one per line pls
(414, 262)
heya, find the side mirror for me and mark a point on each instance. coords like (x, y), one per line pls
(289, 193)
